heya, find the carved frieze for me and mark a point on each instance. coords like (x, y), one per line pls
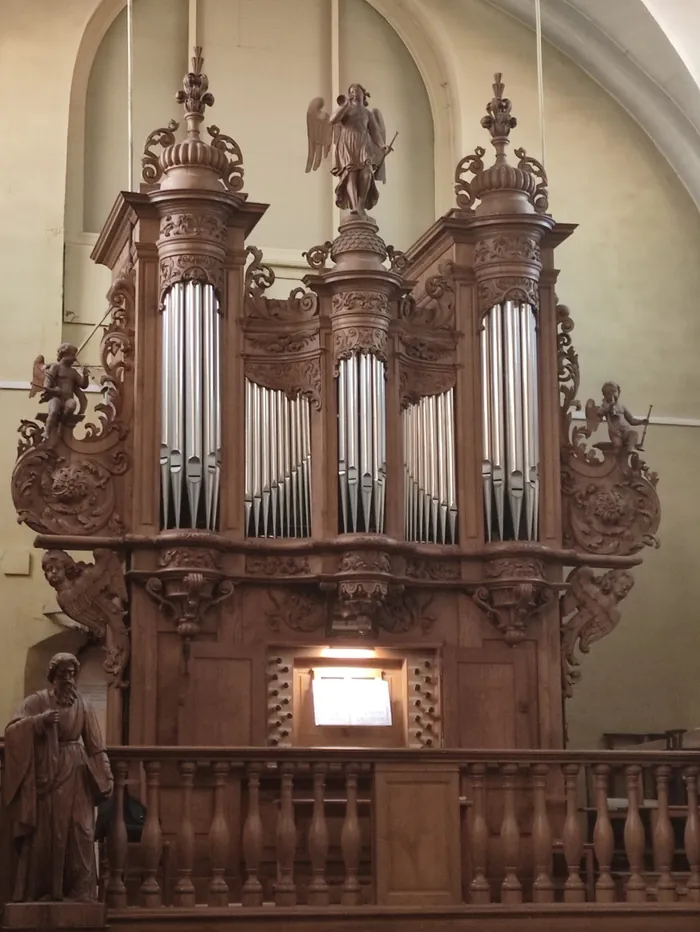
(198, 225)
(273, 565)
(363, 561)
(513, 592)
(94, 595)
(589, 611)
(436, 570)
(296, 377)
(506, 249)
(365, 302)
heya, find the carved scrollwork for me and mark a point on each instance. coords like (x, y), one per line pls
(404, 611)
(469, 165)
(369, 302)
(151, 169)
(568, 370)
(258, 275)
(589, 611)
(353, 340)
(540, 199)
(301, 610)
(57, 495)
(272, 565)
(317, 256)
(191, 268)
(512, 594)
(94, 595)
(419, 382)
(294, 378)
(292, 341)
(397, 260)
(232, 176)
(506, 248)
(493, 291)
(185, 225)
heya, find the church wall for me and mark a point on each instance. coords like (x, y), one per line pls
(630, 273)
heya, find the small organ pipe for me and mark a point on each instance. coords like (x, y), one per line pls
(487, 466)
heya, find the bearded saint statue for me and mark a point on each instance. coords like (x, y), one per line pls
(56, 772)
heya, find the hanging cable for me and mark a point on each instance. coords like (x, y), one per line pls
(130, 90)
(540, 79)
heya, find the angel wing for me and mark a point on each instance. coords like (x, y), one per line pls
(593, 417)
(379, 154)
(319, 131)
(111, 567)
(38, 371)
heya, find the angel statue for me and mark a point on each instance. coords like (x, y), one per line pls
(94, 595)
(621, 423)
(61, 385)
(358, 137)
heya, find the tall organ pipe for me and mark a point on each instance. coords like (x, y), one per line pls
(429, 470)
(361, 443)
(510, 470)
(190, 407)
(278, 463)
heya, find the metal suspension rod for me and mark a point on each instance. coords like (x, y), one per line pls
(130, 90)
(540, 74)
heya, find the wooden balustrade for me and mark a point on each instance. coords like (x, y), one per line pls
(297, 827)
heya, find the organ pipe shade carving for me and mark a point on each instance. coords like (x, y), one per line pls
(277, 463)
(190, 449)
(361, 443)
(510, 469)
(430, 497)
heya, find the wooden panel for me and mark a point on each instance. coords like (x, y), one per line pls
(491, 697)
(417, 845)
(225, 701)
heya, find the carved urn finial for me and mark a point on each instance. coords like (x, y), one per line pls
(193, 164)
(502, 188)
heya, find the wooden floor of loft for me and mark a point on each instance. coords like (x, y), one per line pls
(559, 917)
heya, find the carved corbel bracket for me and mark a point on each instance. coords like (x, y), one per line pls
(589, 612)
(513, 592)
(188, 586)
(362, 587)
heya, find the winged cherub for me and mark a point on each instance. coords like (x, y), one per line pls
(621, 422)
(94, 595)
(61, 385)
(358, 137)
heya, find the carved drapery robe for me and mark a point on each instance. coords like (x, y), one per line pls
(55, 774)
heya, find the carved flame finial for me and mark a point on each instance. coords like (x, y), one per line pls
(498, 120)
(195, 94)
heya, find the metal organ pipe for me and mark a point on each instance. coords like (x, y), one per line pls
(511, 426)
(429, 470)
(190, 407)
(361, 443)
(278, 463)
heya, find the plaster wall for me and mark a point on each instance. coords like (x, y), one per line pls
(630, 273)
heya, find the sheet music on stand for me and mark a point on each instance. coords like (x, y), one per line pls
(352, 702)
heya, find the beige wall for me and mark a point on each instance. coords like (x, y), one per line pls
(630, 274)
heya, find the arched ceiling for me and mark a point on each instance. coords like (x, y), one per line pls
(646, 54)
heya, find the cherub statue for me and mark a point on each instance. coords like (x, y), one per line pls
(94, 595)
(61, 385)
(621, 423)
(358, 137)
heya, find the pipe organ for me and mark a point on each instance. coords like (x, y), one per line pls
(508, 346)
(384, 461)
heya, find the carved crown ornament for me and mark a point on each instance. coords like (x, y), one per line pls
(610, 505)
(512, 593)
(193, 163)
(189, 583)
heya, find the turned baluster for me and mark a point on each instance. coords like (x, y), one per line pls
(319, 893)
(574, 888)
(511, 890)
(663, 840)
(603, 840)
(543, 888)
(219, 838)
(252, 893)
(692, 833)
(117, 841)
(184, 888)
(635, 888)
(350, 842)
(151, 838)
(479, 887)
(285, 888)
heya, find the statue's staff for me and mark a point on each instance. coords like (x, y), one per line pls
(389, 148)
(644, 432)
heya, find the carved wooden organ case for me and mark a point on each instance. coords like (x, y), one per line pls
(386, 458)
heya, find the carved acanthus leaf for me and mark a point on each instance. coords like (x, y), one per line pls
(294, 378)
(367, 302)
(506, 248)
(207, 226)
(493, 291)
(469, 165)
(191, 267)
(419, 382)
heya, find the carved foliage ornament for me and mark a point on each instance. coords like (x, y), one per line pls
(190, 267)
(353, 340)
(302, 610)
(493, 291)
(207, 226)
(367, 302)
(419, 382)
(294, 378)
(589, 611)
(513, 592)
(273, 565)
(506, 248)
(94, 595)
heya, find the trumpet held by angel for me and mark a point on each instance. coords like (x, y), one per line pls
(357, 136)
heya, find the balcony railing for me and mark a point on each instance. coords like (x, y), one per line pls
(319, 827)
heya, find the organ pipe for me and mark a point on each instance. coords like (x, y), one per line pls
(430, 494)
(361, 443)
(190, 407)
(277, 463)
(510, 471)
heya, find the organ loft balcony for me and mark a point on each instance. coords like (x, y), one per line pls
(345, 550)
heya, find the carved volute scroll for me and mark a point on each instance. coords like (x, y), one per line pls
(513, 591)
